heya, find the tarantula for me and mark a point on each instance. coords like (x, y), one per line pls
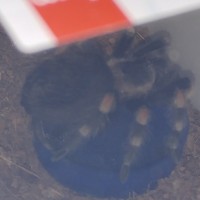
(73, 96)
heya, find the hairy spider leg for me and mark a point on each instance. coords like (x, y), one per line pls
(107, 104)
(136, 139)
(123, 44)
(156, 42)
(180, 102)
(84, 133)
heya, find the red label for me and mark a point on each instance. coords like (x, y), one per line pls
(72, 19)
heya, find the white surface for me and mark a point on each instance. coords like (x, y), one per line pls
(143, 11)
(25, 26)
(30, 33)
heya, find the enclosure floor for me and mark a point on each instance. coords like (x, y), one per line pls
(21, 175)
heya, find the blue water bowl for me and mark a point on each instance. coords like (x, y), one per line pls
(94, 168)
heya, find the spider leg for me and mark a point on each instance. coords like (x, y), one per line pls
(64, 133)
(107, 104)
(178, 124)
(88, 129)
(155, 42)
(136, 139)
(83, 135)
(123, 44)
(180, 101)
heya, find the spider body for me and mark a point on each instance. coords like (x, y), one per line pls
(74, 99)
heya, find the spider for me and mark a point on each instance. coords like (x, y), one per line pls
(75, 95)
